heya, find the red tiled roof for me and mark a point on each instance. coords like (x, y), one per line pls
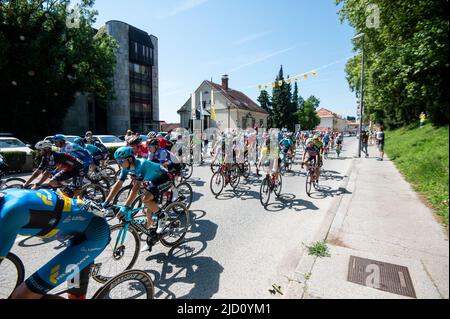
(169, 126)
(323, 112)
(238, 98)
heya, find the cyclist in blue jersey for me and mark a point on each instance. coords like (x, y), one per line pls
(93, 150)
(286, 146)
(60, 167)
(152, 176)
(90, 140)
(162, 156)
(47, 215)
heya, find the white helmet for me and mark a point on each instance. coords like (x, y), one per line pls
(43, 145)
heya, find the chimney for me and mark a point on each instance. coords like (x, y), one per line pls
(225, 82)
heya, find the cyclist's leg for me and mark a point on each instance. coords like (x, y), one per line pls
(67, 264)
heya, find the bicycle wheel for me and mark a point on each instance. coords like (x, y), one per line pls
(217, 183)
(308, 183)
(117, 257)
(185, 194)
(247, 170)
(264, 193)
(176, 221)
(104, 183)
(279, 186)
(110, 174)
(131, 284)
(187, 171)
(94, 193)
(13, 183)
(215, 168)
(235, 176)
(122, 195)
(12, 274)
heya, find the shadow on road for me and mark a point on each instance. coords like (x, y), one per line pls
(34, 242)
(183, 265)
(326, 191)
(289, 201)
(196, 182)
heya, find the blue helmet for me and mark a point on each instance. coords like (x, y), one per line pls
(124, 153)
(79, 141)
(59, 137)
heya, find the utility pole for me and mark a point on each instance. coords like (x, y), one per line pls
(361, 111)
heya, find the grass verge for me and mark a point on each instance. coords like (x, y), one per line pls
(422, 155)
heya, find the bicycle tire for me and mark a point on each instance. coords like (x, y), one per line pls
(167, 210)
(190, 171)
(265, 189)
(278, 190)
(20, 269)
(125, 191)
(308, 184)
(214, 179)
(13, 183)
(99, 191)
(234, 181)
(247, 170)
(130, 275)
(102, 278)
(188, 201)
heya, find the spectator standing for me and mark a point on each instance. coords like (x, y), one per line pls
(423, 118)
(380, 143)
(365, 142)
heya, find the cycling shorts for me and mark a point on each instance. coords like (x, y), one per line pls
(77, 176)
(158, 187)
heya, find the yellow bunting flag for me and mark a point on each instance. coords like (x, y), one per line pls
(305, 76)
(265, 87)
(273, 84)
(280, 83)
(314, 73)
(296, 78)
(288, 81)
(259, 87)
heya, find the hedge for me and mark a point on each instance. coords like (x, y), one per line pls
(17, 162)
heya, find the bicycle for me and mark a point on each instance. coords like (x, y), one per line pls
(269, 185)
(223, 177)
(338, 150)
(286, 162)
(123, 250)
(312, 179)
(9, 182)
(139, 283)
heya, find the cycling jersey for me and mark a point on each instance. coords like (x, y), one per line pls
(95, 152)
(102, 148)
(318, 144)
(286, 143)
(48, 215)
(60, 161)
(312, 151)
(145, 170)
(79, 152)
(326, 139)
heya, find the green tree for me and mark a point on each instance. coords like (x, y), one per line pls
(283, 111)
(406, 69)
(266, 104)
(307, 116)
(48, 56)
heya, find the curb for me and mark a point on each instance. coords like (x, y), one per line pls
(298, 284)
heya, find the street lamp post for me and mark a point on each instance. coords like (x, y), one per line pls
(361, 35)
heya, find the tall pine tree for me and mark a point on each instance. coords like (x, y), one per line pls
(266, 104)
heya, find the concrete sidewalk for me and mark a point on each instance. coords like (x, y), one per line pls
(379, 218)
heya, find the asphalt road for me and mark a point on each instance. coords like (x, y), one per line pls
(236, 248)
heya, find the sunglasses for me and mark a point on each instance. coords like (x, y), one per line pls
(120, 162)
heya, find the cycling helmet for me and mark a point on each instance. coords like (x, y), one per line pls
(151, 135)
(43, 145)
(59, 137)
(316, 137)
(154, 142)
(134, 140)
(79, 141)
(124, 153)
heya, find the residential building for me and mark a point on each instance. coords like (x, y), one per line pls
(135, 104)
(233, 108)
(331, 121)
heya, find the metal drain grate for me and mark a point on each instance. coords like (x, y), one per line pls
(382, 276)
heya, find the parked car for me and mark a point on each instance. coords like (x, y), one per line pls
(12, 144)
(110, 140)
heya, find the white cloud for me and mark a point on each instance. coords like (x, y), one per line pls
(261, 59)
(251, 37)
(182, 7)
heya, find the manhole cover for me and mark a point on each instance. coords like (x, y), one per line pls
(382, 276)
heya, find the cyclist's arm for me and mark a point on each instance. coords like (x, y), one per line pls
(33, 177)
(44, 177)
(114, 190)
(134, 193)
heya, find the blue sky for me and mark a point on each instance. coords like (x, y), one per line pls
(246, 39)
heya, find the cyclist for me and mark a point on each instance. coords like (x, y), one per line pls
(95, 152)
(162, 156)
(74, 150)
(326, 142)
(152, 176)
(140, 149)
(270, 158)
(286, 146)
(319, 144)
(313, 153)
(48, 215)
(90, 140)
(63, 167)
